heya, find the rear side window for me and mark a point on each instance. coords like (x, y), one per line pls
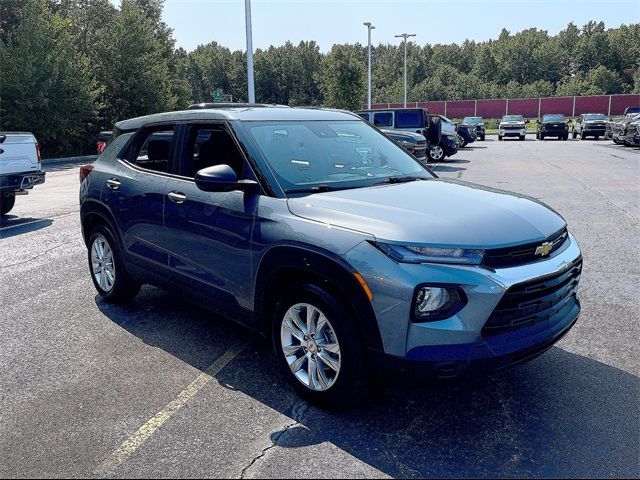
(154, 152)
(365, 116)
(409, 119)
(383, 119)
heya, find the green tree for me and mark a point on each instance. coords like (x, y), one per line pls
(343, 78)
(46, 84)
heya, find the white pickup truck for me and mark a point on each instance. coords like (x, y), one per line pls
(20, 167)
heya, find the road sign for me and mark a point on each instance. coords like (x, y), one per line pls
(218, 95)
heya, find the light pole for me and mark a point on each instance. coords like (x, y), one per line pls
(369, 28)
(250, 83)
(405, 36)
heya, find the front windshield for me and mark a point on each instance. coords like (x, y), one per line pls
(597, 116)
(553, 118)
(305, 155)
(472, 120)
(445, 119)
(512, 118)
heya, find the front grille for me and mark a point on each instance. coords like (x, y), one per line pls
(513, 127)
(523, 254)
(529, 303)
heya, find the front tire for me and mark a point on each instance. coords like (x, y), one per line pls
(107, 268)
(522, 138)
(7, 202)
(499, 138)
(436, 153)
(318, 344)
(583, 137)
(574, 134)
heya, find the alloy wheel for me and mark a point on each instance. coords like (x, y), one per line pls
(102, 263)
(310, 346)
(436, 152)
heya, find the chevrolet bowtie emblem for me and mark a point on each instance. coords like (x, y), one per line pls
(544, 249)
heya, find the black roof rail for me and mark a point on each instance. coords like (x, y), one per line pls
(202, 106)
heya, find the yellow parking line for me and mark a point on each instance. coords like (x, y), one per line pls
(125, 450)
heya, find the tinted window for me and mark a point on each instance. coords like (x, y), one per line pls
(208, 146)
(472, 120)
(409, 119)
(365, 116)
(341, 154)
(553, 118)
(155, 151)
(383, 119)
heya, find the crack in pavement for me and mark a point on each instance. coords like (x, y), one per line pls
(299, 410)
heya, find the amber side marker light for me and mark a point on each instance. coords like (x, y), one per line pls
(364, 286)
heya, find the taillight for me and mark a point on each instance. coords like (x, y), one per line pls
(38, 152)
(85, 170)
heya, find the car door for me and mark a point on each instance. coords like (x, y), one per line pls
(134, 191)
(208, 234)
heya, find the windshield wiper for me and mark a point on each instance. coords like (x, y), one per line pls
(403, 179)
(323, 187)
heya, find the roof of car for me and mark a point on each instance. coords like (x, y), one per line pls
(243, 112)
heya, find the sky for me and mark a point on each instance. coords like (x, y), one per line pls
(327, 22)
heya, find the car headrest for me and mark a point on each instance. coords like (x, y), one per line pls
(158, 149)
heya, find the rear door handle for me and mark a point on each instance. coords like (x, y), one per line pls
(113, 184)
(177, 197)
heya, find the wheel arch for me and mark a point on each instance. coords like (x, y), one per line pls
(285, 265)
(93, 213)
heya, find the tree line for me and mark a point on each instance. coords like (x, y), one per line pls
(69, 68)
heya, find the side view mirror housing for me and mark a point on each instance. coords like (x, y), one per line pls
(222, 178)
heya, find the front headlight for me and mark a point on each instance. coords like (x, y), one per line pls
(406, 144)
(428, 254)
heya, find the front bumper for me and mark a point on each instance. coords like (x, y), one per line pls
(449, 145)
(512, 132)
(554, 131)
(461, 343)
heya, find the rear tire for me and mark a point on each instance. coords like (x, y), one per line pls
(343, 379)
(7, 202)
(107, 268)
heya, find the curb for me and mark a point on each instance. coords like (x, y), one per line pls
(84, 158)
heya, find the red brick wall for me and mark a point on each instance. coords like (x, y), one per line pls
(527, 107)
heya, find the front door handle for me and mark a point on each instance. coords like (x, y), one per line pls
(177, 197)
(113, 184)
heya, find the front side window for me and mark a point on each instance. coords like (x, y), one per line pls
(331, 154)
(210, 145)
(383, 119)
(155, 149)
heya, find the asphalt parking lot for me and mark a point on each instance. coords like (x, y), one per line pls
(161, 388)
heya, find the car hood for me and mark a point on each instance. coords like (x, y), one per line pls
(416, 137)
(436, 212)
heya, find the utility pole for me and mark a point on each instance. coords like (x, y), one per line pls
(369, 28)
(250, 82)
(405, 36)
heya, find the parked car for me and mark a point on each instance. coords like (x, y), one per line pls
(590, 124)
(20, 167)
(313, 228)
(414, 143)
(477, 122)
(631, 111)
(622, 132)
(467, 133)
(636, 137)
(103, 139)
(552, 125)
(439, 131)
(512, 126)
(608, 130)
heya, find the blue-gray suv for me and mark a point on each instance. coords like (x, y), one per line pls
(311, 227)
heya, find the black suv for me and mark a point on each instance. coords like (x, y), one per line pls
(552, 125)
(477, 122)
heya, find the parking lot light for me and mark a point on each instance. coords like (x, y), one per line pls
(405, 36)
(369, 28)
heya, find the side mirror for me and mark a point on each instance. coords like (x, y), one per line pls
(222, 178)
